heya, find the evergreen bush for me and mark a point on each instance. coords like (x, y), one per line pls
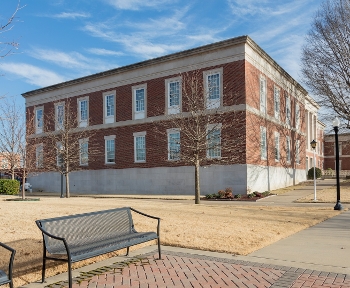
(310, 173)
(9, 187)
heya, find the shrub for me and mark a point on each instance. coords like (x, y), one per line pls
(266, 193)
(330, 169)
(228, 192)
(251, 195)
(258, 194)
(221, 193)
(238, 196)
(310, 173)
(9, 187)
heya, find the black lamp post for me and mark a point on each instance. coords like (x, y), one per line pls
(336, 124)
(313, 146)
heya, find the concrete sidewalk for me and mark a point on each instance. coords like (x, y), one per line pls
(315, 257)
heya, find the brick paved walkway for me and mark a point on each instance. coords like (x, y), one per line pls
(188, 270)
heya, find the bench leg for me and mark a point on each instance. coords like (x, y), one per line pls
(127, 251)
(11, 284)
(43, 271)
(70, 274)
(159, 251)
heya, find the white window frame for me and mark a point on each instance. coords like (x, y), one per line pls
(39, 154)
(39, 129)
(138, 135)
(288, 111)
(297, 116)
(177, 144)
(109, 118)
(288, 154)
(263, 94)
(83, 122)
(217, 150)
(173, 109)
(297, 151)
(263, 143)
(217, 102)
(107, 139)
(140, 114)
(277, 146)
(277, 101)
(84, 141)
(59, 123)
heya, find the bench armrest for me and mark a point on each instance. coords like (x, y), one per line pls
(13, 252)
(150, 216)
(47, 233)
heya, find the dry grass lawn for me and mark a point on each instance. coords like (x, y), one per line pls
(330, 195)
(225, 228)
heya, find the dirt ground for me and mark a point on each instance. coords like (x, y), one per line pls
(330, 195)
(226, 228)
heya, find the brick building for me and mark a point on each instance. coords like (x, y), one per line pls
(122, 106)
(344, 151)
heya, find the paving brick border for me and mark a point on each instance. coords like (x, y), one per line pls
(282, 276)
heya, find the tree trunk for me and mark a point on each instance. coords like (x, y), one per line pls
(23, 191)
(197, 186)
(67, 186)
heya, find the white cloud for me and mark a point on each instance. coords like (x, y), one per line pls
(104, 52)
(72, 60)
(266, 8)
(32, 74)
(71, 15)
(137, 4)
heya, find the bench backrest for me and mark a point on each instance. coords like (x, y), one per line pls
(87, 227)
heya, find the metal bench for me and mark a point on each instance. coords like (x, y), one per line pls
(83, 236)
(6, 278)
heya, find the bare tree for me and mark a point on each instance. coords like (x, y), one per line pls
(69, 149)
(8, 46)
(211, 132)
(27, 151)
(326, 57)
(12, 133)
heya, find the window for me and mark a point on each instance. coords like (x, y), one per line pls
(297, 151)
(83, 111)
(173, 144)
(277, 102)
(60, 158)
(214, 141)
(59, 116)
(110, 149)
(213, 84)
(139, 101)
(263, 147)
(39, 114)
(277, 146)
(84, 151)
(263, 95)
(288, 111)
(4, 164)
(140, 146)
(288, 149)
(109, 107)
(297, 116)
(173, 92)
(39, 155)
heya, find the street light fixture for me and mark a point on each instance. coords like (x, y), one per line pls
(313, 146)
(336, 124)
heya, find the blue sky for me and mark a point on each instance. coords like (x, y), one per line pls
(66, 39)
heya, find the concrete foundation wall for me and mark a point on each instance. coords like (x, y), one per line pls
(171, 180)
(267, 178)
(152, 181)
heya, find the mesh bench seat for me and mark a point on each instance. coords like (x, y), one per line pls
(82, 236)
(6, 277)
